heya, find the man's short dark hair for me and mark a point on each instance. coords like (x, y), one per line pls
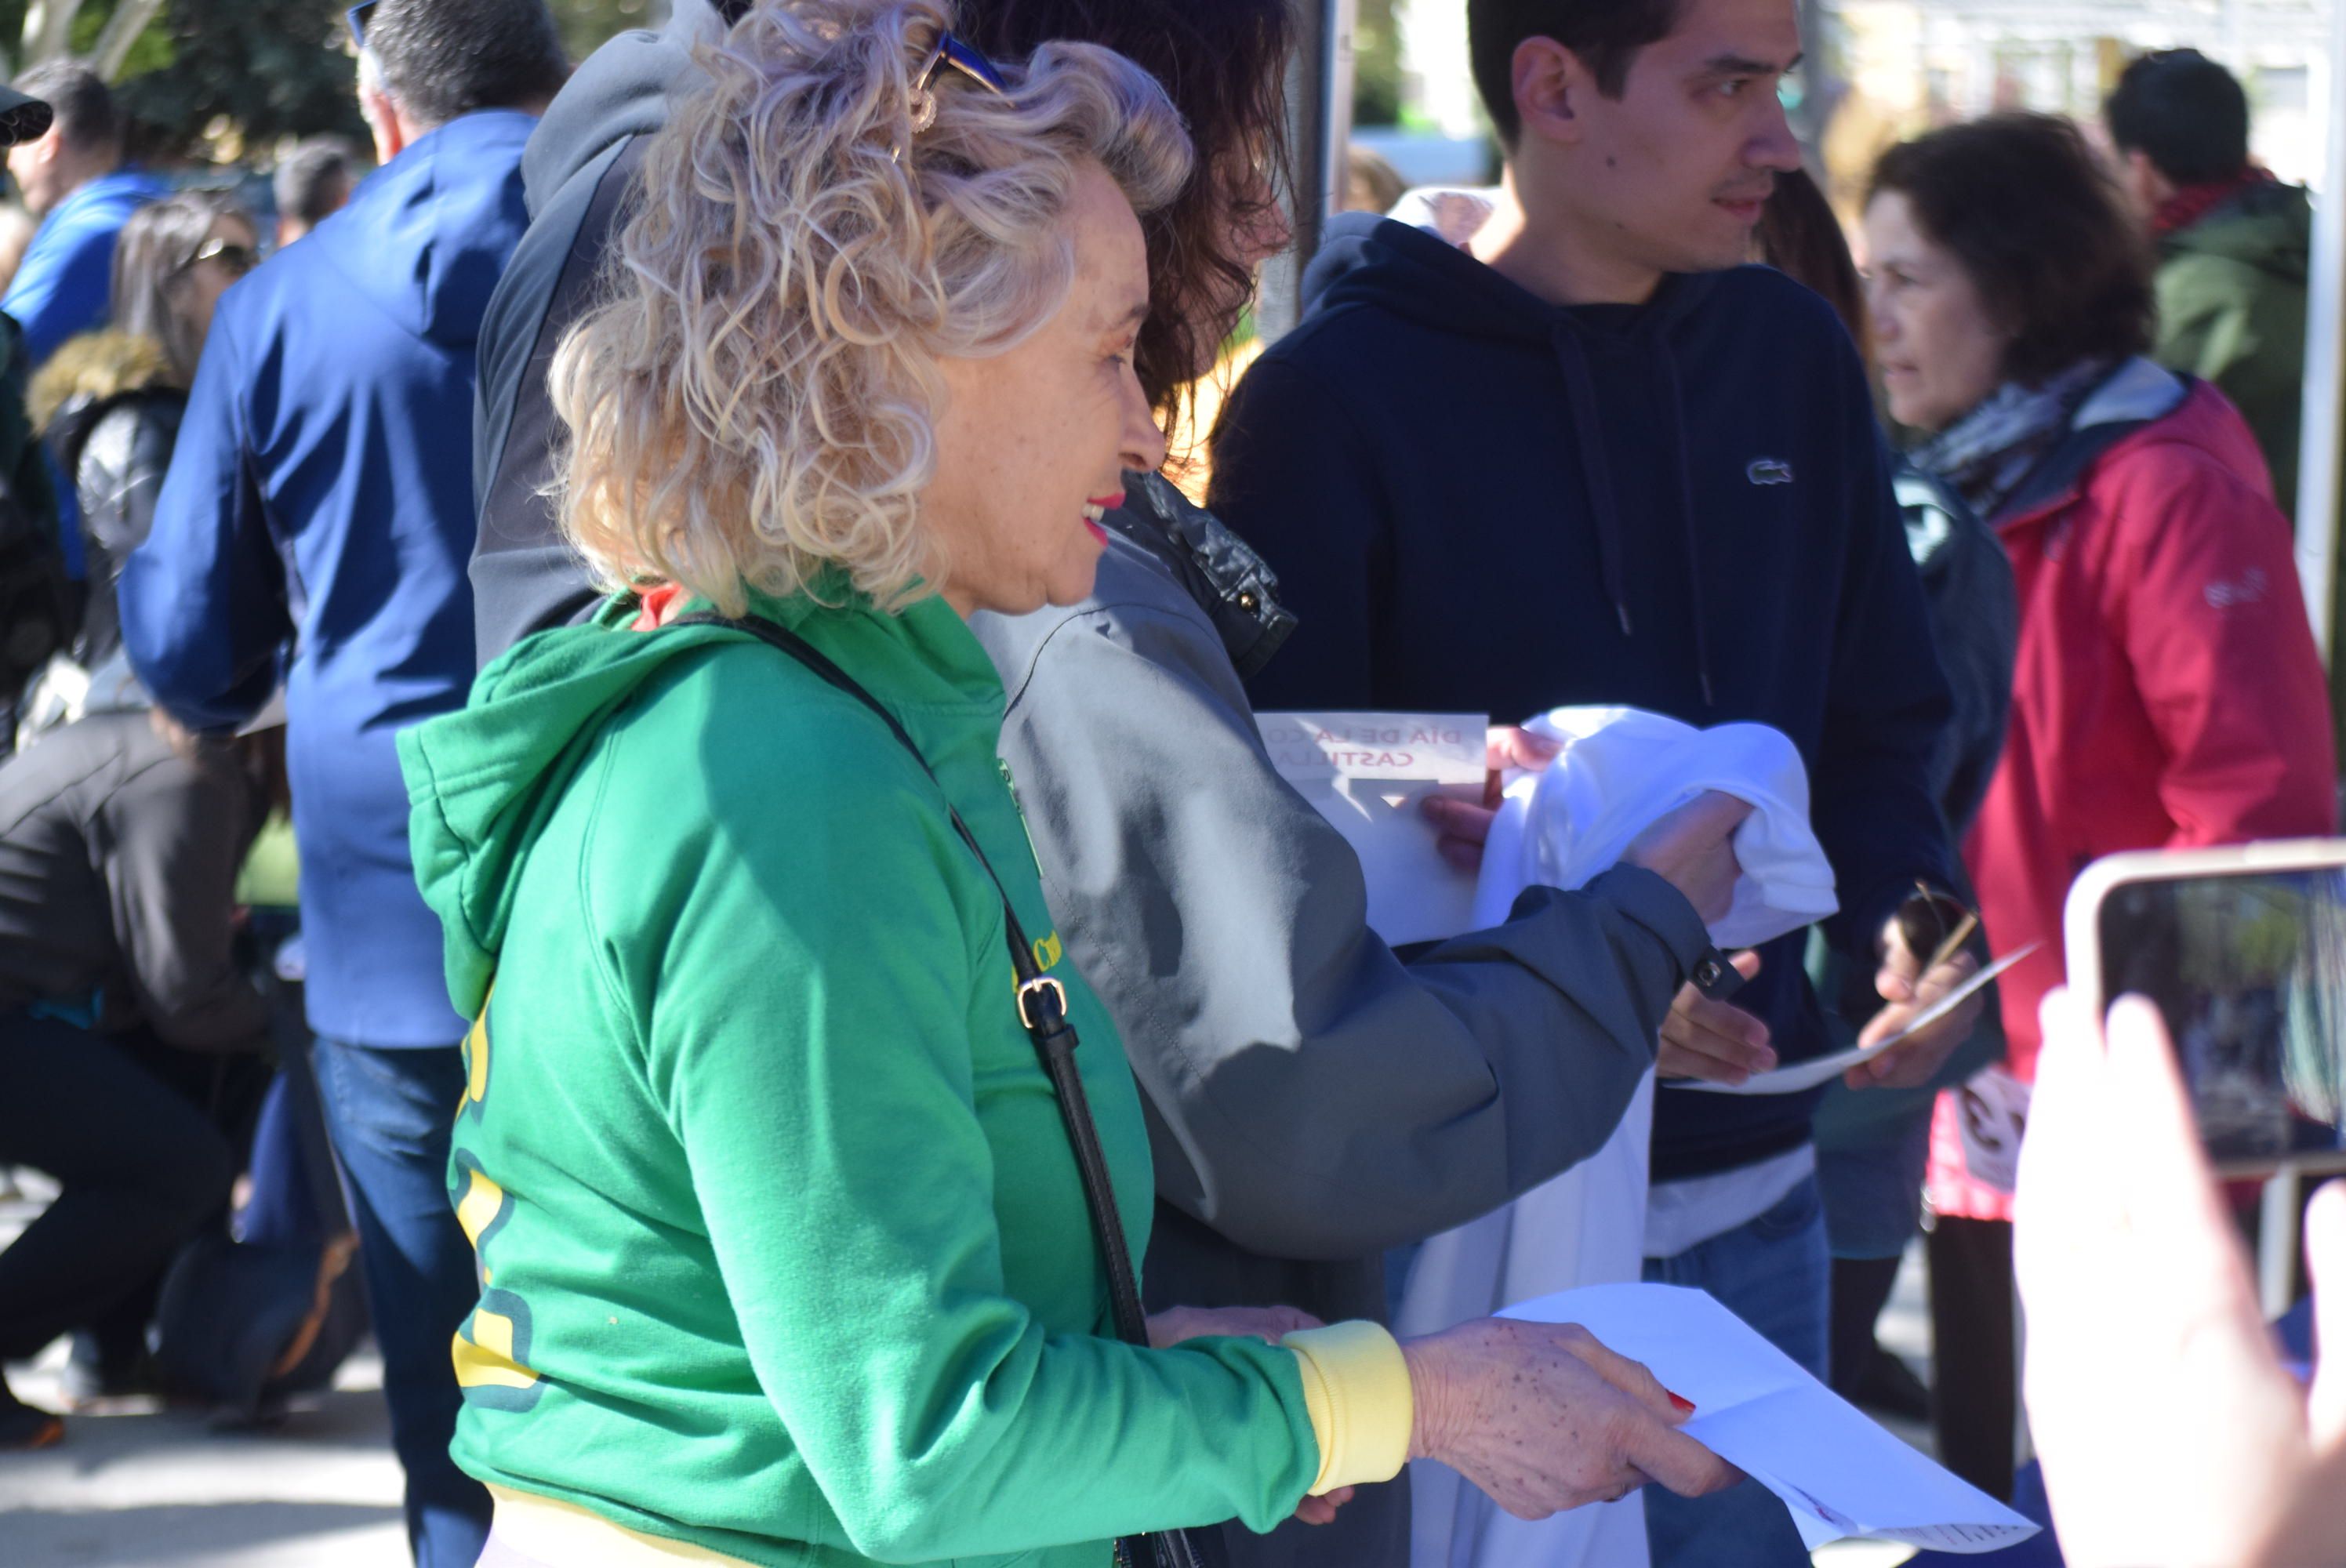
(2041, 230)
(1606, 35)
(87, 115)
(314, 179)
(2186, 112)
(442, 58)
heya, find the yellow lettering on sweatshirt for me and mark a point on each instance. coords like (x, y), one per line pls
(491, 1349)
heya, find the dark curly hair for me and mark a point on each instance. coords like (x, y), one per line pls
(1224, 64)
(2040, 229)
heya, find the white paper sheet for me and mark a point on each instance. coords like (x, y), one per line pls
(1367, 773)
(1818, 1070)
(1755, 1407)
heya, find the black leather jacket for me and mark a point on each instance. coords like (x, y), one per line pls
(111, 419)
(124, 451)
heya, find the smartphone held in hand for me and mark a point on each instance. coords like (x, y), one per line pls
(2243, 951)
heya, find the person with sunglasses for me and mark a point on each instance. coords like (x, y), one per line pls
(109, 402)
(77, 178)
(314, 528)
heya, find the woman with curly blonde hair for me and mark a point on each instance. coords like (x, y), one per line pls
(805, 1234)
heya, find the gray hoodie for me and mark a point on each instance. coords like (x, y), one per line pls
(577, 168)
(1312, 1099)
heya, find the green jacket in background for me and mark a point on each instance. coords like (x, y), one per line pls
(784, 1252)
(2231, 310)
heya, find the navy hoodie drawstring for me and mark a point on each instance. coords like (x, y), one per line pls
(1580, 396)
(1683, 454)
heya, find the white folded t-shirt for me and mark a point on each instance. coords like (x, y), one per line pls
(1621, 769)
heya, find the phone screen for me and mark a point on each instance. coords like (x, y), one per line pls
(2249, 970)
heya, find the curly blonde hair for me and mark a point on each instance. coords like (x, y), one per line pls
(754, 402)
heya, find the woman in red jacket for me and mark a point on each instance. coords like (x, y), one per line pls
(2166, 690)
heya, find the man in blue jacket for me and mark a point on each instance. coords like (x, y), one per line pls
(1589, 459)
(72, 178)
(75, 181)
(318, 513)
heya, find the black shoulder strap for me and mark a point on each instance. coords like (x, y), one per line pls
(1042, 1000)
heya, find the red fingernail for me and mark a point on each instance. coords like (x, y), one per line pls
(1685, 1406)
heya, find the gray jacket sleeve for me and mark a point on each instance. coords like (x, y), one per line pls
(1310, 1095)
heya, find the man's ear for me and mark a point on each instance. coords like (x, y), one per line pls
(381, 112)
(1553, 90)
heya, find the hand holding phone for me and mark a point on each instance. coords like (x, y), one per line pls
(2243, 951)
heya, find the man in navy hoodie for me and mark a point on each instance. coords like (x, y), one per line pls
(1587, 458)
(318, 516)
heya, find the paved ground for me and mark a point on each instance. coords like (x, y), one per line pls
(148, 1488)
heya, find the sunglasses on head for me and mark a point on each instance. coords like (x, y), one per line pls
(356, 18)
(950, 53)
(236, 258)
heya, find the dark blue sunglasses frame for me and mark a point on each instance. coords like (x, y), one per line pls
(355, 17)
(952, 51)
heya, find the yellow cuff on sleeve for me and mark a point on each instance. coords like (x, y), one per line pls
(1356, 1390)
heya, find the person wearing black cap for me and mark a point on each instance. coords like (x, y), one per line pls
(75, 180)
(22, 117)
(37, 604)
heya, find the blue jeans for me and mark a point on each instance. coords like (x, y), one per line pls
(1775, 1274)
(1873, 1193)
(390, 1113)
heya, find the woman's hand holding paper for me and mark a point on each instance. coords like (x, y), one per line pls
(1544, 1418)
(1911, 983)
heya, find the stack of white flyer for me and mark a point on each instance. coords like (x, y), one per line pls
(1758, 1408)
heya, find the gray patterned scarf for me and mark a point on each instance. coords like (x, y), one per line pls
(1985, 454)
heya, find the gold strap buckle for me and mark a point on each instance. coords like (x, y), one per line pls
(1028, 989)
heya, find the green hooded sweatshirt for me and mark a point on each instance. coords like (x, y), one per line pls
(783, 1251)
(2231, 310)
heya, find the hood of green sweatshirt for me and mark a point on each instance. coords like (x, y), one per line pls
(2268, 227)
(480, 782)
